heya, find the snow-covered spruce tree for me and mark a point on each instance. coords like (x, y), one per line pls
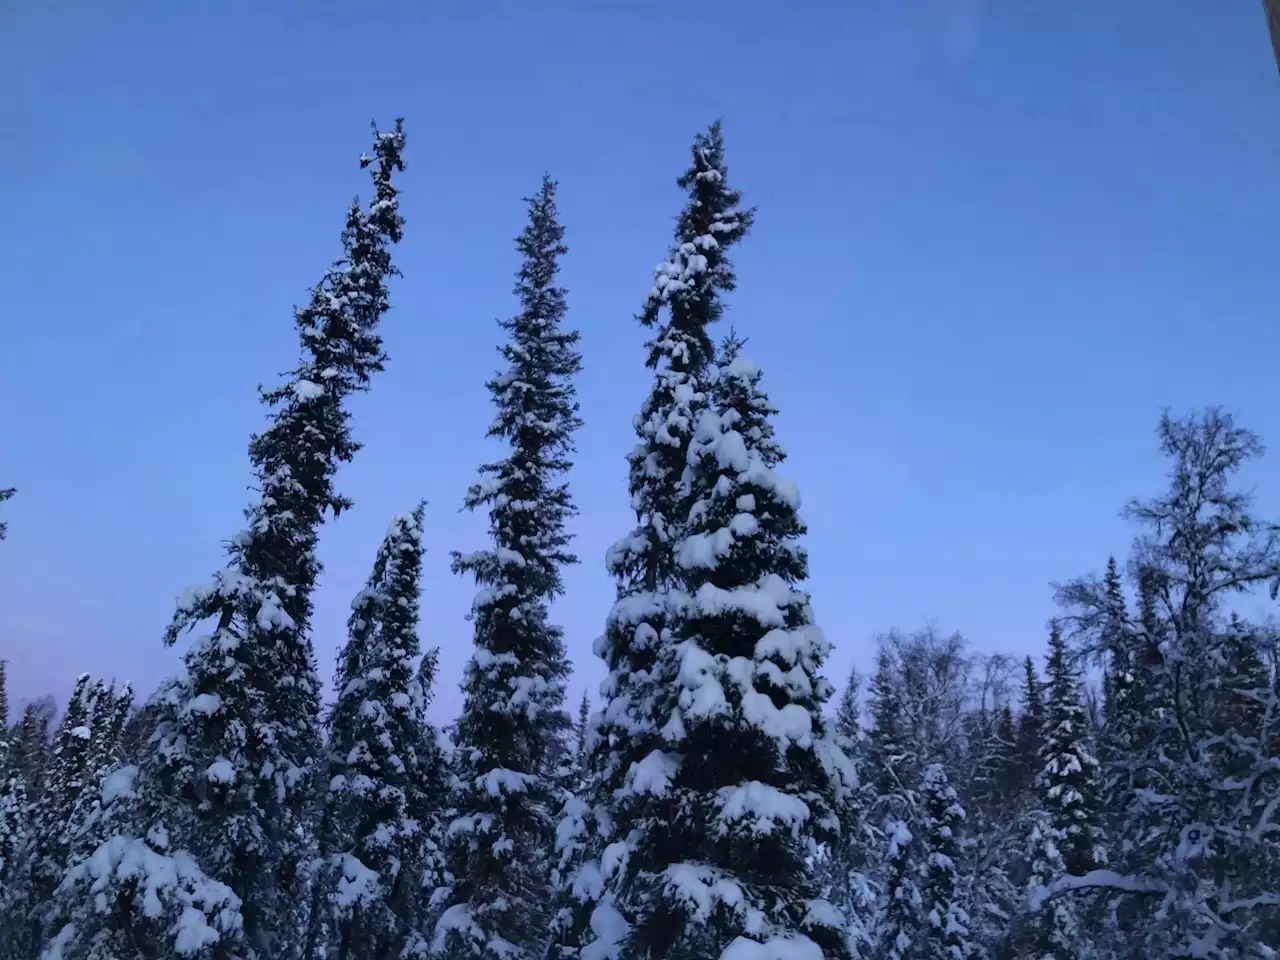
(13, 825)
(429, 794)
(226, 786)
(575, 874)
(15, 841)
(994, 866)
(887, 747)
(684, 302)
(899, 924)
(29, 757)
(848, 719)
(581, 731)
(749, 781)
(1031, 721)
(1068, 777)
(1054, 933)
(513, 720)
(111, 706)
(181, 913)
(1065, 830)
(945, 931)
(1119, 642)
(1116, 641)
(847, 866)
(65, 781)
(368, 894)
(30, 743)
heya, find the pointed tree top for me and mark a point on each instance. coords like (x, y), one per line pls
(697, 268)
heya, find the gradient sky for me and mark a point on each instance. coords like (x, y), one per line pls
(994, 240)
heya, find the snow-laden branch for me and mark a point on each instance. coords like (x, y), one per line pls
(1093, 880)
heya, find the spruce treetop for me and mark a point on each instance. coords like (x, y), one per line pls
(372, 842)
(687, 292)
(697, 269)
(537, 414)
(849, 713)
(240, 729)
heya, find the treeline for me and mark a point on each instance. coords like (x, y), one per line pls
(1119, 800)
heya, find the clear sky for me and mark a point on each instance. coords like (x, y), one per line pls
(994, 240)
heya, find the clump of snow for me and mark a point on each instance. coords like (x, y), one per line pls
(203, 911)
(764, 807)
(119, 783)
(610, 928)
(307, 390)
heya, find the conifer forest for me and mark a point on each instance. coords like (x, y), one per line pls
(720, 797)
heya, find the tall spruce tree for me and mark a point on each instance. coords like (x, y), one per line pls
(227, 786)
(1065, 836)
(513, 722)
(15, 841)
(111, 707)
(945, 932)
(429, 794)
(1119, 643)
(30, 743)
(1055, 932)
(684, 302)
(65, 781)
(1068, 777)
(13, 815)
(848, 721)
(749, 781)
(887, 739)
(847, 867)
(369, 889)
(1031, 721)
(898, 927)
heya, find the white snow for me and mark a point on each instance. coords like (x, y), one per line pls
(498, 781)
(653, 774)
(610, 929)
(357, 883)
(307, 390)
(221, 771)
(168, 884)
(766, 808)
(205, 703)
(119, 783)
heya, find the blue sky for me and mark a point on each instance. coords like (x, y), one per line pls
(994, 240)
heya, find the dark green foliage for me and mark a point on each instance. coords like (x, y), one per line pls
(511, 735)
(378, 831)
(1068, 779)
